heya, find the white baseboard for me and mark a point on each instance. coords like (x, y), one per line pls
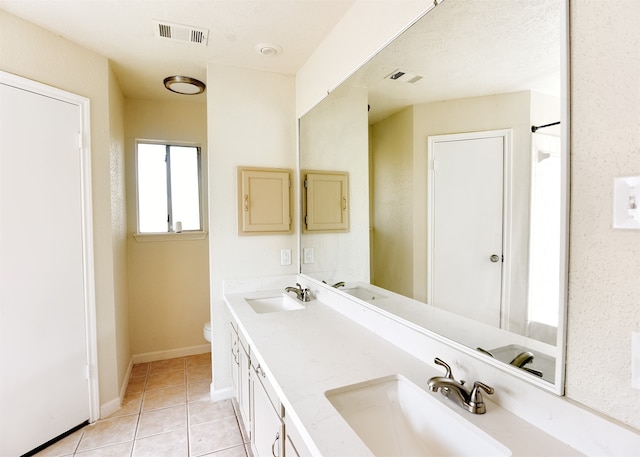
(110, 407)
(171, 353)
(222, 394)
(113, 405)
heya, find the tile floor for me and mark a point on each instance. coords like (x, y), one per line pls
(167, 411)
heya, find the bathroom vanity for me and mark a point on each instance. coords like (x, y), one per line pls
(302, 369)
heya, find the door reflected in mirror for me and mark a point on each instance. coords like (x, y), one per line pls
(458, 184)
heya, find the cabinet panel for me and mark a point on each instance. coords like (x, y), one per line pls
(268, 433)
(241, 363)
(264, 200)
(294, 445)
(326, 201)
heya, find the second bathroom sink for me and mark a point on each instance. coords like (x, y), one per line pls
(394, 417)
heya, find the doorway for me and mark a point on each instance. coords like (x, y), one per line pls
(48, 349)
(468, 235)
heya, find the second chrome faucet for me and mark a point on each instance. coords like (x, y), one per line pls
(303, 295)
(472, 400)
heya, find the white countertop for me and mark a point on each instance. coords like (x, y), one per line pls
(310, 351)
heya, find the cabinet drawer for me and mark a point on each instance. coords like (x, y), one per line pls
(269, 390)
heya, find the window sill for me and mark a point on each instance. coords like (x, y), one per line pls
(183, 236)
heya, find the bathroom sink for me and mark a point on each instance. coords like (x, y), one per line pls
(274, 304)
(363, 293)
(394, 417)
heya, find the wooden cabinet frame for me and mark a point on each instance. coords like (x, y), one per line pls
(264, 200)
(325, 201)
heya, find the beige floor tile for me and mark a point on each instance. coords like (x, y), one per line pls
(207, 411)
(167, 365)
(140, 369)
(164, 398)
(108, 431)
(66, 446)
(237, 451)
(162, 421)
(136, 385)
(199, 373)
(117, 450)
(130, 405)
(172, 444)
(164, 379)
(199, 359)
(199, 391)
(214, 436)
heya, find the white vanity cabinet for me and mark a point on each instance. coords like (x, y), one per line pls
(260, 408)
(241, 376)
(268, 427)
(293, 444)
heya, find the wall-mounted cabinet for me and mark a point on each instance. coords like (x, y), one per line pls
(264, 200)
(325, 201)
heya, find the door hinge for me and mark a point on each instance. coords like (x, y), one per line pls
(306, 183)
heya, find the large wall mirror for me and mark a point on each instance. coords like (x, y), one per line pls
(454, 137)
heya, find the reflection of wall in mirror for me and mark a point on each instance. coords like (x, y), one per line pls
(407, 198)
(333, 136)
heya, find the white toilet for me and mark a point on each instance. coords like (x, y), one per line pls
(207, 331)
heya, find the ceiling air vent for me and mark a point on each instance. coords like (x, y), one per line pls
(179, 32)
(403, 76)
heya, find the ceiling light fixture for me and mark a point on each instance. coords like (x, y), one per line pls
(184, 85)
(268, 49)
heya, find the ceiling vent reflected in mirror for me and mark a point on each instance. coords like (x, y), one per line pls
(404, 76)
(179, 32)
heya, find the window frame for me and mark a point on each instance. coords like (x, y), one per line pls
(153, 236)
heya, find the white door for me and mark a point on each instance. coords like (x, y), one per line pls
(44, 385)
(466, 224)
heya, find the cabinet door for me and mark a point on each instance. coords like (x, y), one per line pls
(245, 381)
(268, 429)
(264, 203)
(326, 201)
(293, 444)
(235, 361)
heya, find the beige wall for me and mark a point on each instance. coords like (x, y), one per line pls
(119, 231)
(251, 122)
(391, 145)
(168, 280)
(32, 52)
(604, 264)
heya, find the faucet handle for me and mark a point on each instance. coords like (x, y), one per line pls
(476, 395)
(442, 363)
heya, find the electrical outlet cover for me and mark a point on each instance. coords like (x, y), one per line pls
(626, 202)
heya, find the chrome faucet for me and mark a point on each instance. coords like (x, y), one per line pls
(336, 285)
(303, 295)
(455, 390)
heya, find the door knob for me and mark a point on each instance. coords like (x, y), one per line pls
(494, 258)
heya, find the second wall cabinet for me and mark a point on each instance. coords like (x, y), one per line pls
(264, 200)
(325, 201)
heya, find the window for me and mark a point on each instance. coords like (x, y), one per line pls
(168, 180)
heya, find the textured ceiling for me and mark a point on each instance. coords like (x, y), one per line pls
(469, 48)
(123, 31)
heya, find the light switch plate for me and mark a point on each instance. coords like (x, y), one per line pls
(307, 255)
(626, 202)
(635, 360)
(285, 257)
